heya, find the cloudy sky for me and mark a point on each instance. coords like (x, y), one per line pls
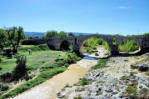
(87, 16)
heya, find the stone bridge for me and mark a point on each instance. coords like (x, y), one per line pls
(78, 42)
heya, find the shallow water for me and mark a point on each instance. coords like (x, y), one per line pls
(90, 58)
(51, 87)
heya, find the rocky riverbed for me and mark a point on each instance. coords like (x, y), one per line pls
(123, 77)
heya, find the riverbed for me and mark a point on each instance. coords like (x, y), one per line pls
(51, 87)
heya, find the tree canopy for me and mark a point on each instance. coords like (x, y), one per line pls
(11, 37)
(54, 33)
(71, 34)
(62, 34)
(51, 33)
(3, 38)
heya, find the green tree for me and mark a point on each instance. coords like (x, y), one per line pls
(146, 34)
(71, 34)
(3, 38)
(20, 35)
(15, 35)
(51, 33)
(62, 34)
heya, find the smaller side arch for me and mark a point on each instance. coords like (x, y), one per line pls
(126, 47)
(63, 45)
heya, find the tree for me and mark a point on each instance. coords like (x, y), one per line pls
(71, 34)
(15, 35)
(146, 34)
(51, 33)
(62, 34)
(21, 35)
(3, 38)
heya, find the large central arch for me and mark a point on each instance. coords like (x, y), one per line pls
(86, 39)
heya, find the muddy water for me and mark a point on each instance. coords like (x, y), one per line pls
(48, 89)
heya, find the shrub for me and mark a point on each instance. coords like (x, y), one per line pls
(21, 69)
(8, 53)
(92, 42)
(3, 87)
(84, 81)
(128, 46)
(101, 64)
(71, 58)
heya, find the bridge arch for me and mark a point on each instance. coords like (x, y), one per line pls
(64, 45)
(82, 44)
(129, 46)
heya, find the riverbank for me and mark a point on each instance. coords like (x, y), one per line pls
(51, 87)
(121, 78)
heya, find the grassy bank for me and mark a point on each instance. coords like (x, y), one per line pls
(32, 83)
(41, 65)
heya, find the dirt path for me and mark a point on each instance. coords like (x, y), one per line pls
(48, 89)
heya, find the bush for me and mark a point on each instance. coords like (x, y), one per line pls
(128, 46)
(92, 42)
(71, 58)
(8, 53)
(3, 87)
(21, 69)
(84, 81)
(101, 64)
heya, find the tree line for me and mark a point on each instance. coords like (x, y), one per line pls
(54, 33)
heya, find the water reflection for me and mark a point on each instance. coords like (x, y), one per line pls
(90, 58)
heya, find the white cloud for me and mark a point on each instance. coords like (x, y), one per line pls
(123, 7)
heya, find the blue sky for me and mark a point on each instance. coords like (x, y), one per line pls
(87, 16)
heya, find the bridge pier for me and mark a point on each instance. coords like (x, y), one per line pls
(114, 50)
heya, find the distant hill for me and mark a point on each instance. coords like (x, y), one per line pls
(41, 34)
(34, 34)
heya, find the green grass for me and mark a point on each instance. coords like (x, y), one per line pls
(101, 64)
(24, 48)
(37, 60)
(43, 60)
